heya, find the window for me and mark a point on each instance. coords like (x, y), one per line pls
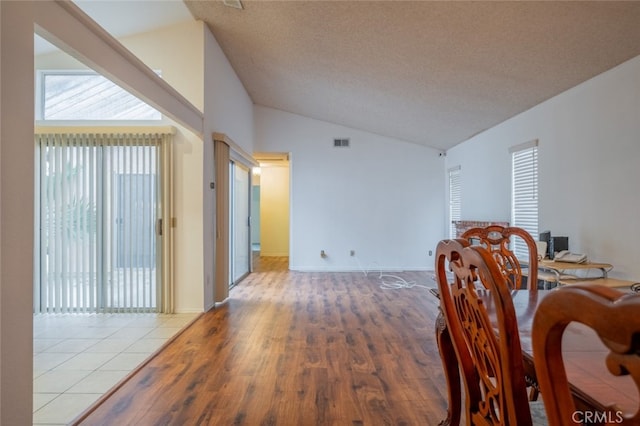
(524, 212)
(86, 95)
(455, 199)
(98, 225)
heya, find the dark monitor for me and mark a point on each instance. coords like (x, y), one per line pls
(558, 244)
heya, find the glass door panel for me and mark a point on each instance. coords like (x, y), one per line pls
(240, 225)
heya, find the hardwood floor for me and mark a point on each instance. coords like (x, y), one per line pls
(294, 348)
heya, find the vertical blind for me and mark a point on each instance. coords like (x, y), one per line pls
(525, 192)
(455, 199)
(99, 233)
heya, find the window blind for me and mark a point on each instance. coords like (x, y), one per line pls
(525, 192)
(455, 199)
(100, 215)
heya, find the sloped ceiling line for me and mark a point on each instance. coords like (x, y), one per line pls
(432, 73)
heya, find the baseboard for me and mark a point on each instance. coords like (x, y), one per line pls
(351, 269)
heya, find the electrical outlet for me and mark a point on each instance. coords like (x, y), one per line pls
(323, 254)
(430, 252)
(352, 253)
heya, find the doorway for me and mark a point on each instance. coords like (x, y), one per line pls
(270, 194)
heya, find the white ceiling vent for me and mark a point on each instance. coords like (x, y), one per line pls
(341, 143)
(233, 3)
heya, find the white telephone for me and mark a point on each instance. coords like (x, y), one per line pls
(567, 256)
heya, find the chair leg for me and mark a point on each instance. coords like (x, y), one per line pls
(452, 373)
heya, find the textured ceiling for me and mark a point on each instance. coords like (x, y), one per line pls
(433, 73)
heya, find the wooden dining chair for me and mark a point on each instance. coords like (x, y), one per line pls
(497, 239)
(614, 315)
(488, 352)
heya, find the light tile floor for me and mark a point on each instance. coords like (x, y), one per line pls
(79, 357)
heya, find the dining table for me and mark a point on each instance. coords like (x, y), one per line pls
(594, 388)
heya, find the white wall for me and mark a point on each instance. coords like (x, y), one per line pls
(588, 167)
(274, 210)
(228, 107)
(381, 197)
(229, 110)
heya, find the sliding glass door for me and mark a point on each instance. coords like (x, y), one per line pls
(239, 214)
(100, 207)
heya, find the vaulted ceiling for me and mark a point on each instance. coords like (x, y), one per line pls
(429, 72)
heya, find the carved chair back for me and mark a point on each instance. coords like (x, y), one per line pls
(488, 352)
(497, 239)
(615, 317)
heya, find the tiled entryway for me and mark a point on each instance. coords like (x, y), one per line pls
(78, 358)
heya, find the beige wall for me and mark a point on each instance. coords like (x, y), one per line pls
(274, 211)
(0, 214)
(16, 213)
(188, 234)
(178, 52)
